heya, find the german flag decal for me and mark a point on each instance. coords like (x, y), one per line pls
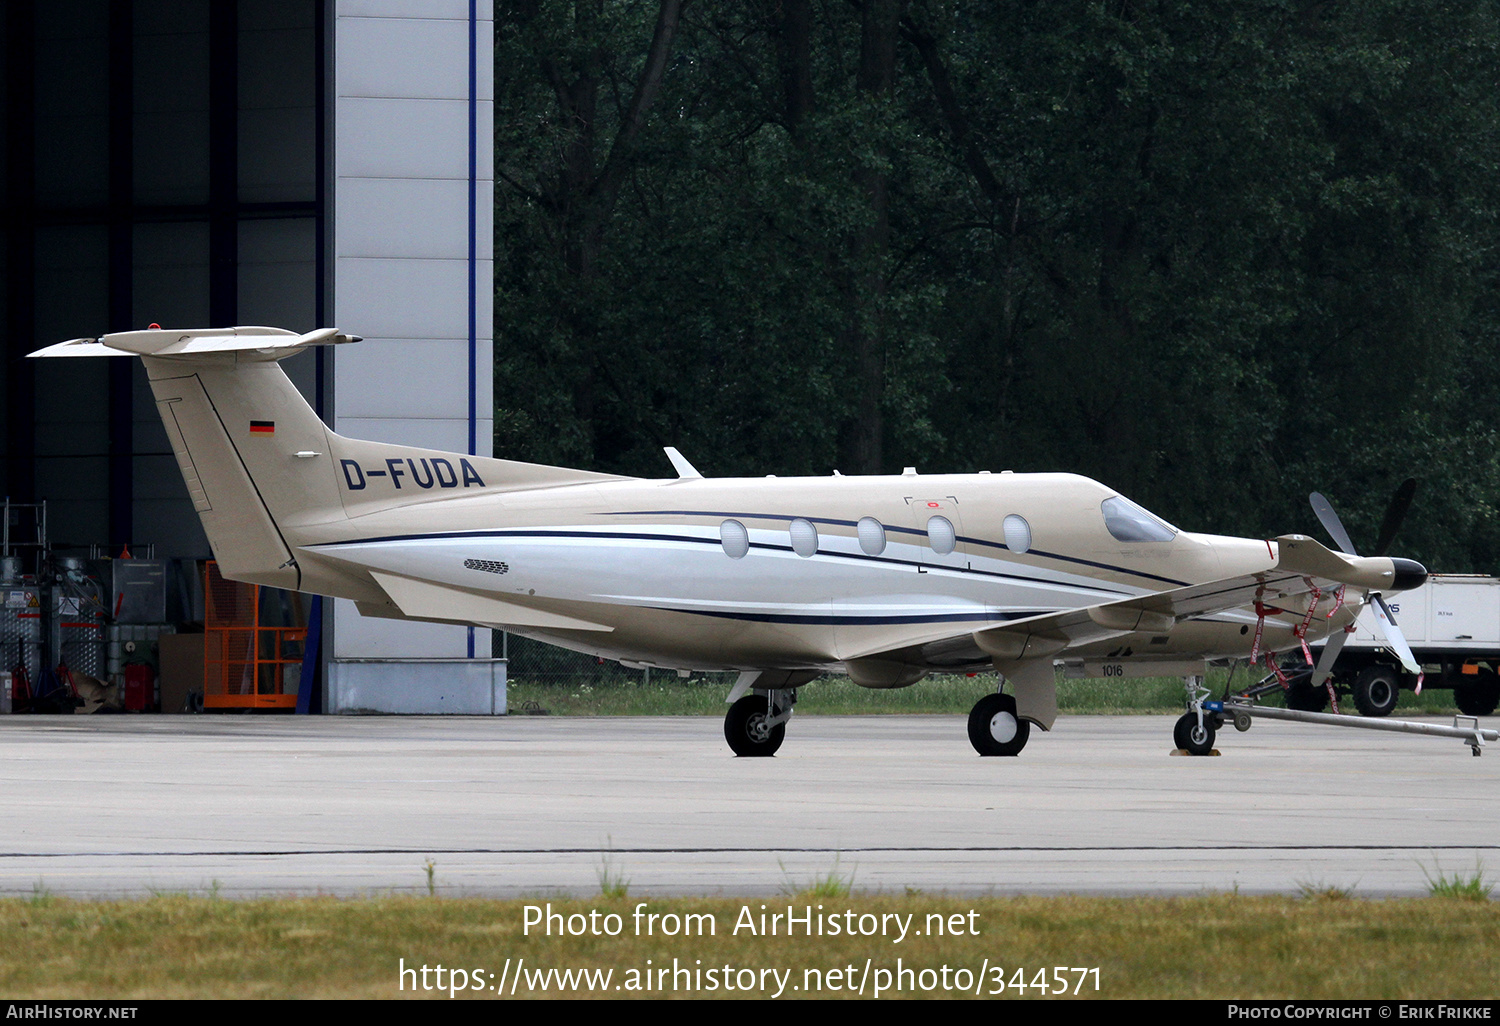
(262, 427)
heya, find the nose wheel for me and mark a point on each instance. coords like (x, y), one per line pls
(994, 727)
(1193, 736)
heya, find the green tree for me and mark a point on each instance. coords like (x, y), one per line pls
(1215, 254)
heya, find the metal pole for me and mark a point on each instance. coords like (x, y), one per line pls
(1472, 733)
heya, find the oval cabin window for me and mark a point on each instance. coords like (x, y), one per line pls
(804, 537)
(871, 536)
(1017, 533)
(735, 539)
(941, 536)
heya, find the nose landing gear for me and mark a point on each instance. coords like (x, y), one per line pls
(1195, 730)
(1193, 736)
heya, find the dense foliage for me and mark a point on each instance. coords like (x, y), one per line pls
(1216, 254)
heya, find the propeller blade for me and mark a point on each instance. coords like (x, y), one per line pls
(1331, 523)
(1330, 655)
(1393, 636)
(1394, 514)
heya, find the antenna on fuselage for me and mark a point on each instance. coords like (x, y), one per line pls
(685, 470)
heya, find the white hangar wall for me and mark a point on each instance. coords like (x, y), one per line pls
(410, 268)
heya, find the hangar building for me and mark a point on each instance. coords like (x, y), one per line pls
(296, 163)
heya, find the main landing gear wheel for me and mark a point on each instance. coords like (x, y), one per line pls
(1376, 691)
(747, 730)
(994, 727)
(1193, 737)
(1480, 697)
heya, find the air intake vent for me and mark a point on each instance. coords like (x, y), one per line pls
(489, 566)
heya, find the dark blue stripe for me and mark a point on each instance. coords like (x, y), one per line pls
(856, 620)
(899, 530)
(518, 533)
(1085, 562)
(641, 536)
(748, 516)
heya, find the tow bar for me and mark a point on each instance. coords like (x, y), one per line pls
(1465, 728)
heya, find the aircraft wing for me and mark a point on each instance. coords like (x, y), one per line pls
(428, 600)
(1301, 565)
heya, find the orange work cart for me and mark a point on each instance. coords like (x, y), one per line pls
(250, 661)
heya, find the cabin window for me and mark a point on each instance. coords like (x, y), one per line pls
(871, 536)
(804, 537)
(1017, 533)
(941, 536)
(1127, 522)
(734, 538)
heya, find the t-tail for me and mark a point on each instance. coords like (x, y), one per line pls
(264, 473)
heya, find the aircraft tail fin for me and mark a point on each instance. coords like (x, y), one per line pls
(262, 470)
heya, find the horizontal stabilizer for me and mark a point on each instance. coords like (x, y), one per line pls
(424, 600)
(277, 343)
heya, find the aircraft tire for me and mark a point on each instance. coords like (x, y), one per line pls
(1193, 738)
(1479, 698)
(994, 727)
(1376, 690)
(746, 731)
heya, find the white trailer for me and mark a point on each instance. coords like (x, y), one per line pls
(1453, 626)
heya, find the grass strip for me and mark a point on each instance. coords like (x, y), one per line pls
(666, 695)
(1217, 946)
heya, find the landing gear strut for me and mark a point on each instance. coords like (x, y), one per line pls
(994, 727)
(755, 725)
(1195, 730)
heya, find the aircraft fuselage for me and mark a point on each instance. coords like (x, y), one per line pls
(656, 563)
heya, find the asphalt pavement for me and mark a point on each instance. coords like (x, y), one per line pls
(245, 805)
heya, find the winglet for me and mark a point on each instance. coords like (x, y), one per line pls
(685, 470)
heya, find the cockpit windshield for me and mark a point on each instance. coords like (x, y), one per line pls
(1127, 522)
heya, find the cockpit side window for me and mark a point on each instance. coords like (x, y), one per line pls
(1127, 522)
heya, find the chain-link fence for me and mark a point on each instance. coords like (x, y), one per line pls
(536, 662)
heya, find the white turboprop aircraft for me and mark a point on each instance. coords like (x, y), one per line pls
(886, 579)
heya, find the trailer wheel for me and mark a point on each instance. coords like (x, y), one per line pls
(1376, 690)
(1479, 697)
(1303, 697)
